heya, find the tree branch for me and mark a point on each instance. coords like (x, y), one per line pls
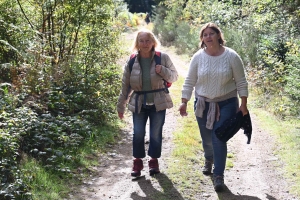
(25, 14)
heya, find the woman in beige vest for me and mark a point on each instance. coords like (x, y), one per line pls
(144, 89)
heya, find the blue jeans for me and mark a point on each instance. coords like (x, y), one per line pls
(157, 120)
(214, 149)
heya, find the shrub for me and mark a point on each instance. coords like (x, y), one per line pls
(187, 39)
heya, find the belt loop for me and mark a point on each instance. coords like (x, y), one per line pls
(145, 98)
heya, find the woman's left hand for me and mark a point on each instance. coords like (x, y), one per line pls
(244, 109)
(158, 68)
(243, 106)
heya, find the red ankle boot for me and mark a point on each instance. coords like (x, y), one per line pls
(153, 166)
(137, 167)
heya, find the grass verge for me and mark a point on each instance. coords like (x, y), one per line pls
(185, 156)
(287, 135)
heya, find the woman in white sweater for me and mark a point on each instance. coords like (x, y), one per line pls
(216, 73)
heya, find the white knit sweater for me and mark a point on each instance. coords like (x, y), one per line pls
(215, 76)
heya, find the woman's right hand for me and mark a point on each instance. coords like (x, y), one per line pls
(121, 115)
(182, 109)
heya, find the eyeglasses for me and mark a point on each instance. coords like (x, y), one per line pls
(209, 35)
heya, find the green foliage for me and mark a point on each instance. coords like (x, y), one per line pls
(171, 15)
(53, 141)
(59, 83)
(12, 185)
(129, 19)
(70, 52)
(293, 79)
(8, 33)
(187, 40)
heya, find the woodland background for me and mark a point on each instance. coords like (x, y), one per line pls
(60, 75)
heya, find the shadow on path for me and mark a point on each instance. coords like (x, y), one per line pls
(227, 194)
(168, 191)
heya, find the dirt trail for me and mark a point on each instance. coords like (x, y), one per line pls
(253, 176)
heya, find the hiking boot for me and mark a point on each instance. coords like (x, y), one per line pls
(218, 183)
(153, 166)
(137, 167)
(207, 167)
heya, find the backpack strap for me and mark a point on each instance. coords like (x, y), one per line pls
(131, 61)
(130, 64)
(157, 58)
(138, 93)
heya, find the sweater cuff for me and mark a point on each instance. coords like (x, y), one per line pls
(185, 96)
(243, 93)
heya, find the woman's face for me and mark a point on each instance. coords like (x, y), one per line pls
(210, 37)
(145, 43)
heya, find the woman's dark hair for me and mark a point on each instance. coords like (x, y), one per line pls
(213, 26)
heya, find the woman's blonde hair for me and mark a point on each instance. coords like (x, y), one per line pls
(135, 46)
(213, 26)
